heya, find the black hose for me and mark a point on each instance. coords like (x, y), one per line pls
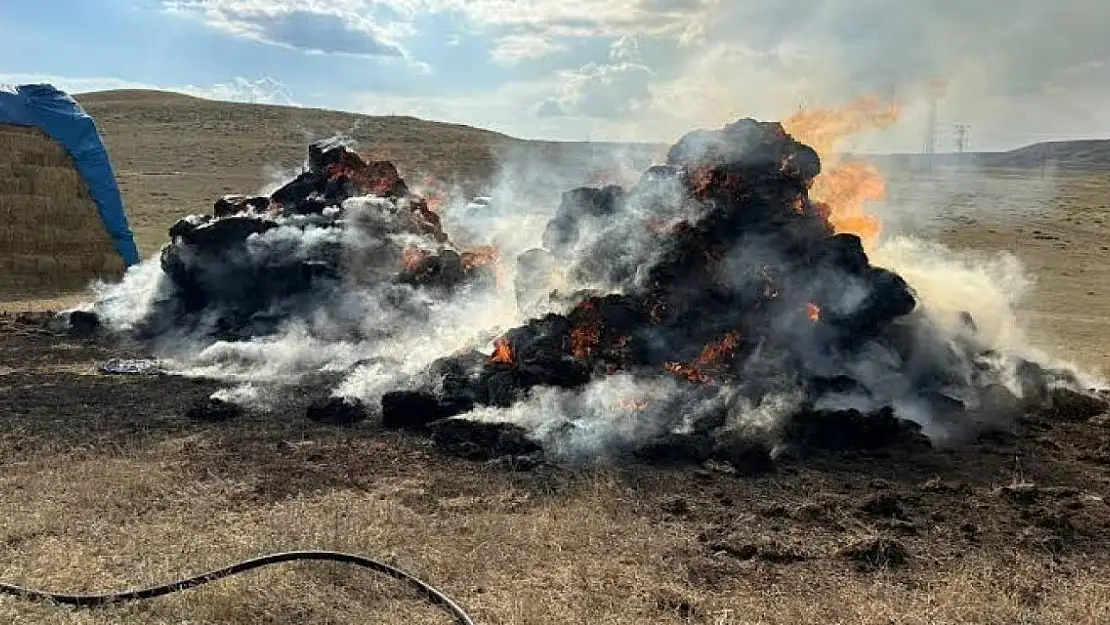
(428, 591)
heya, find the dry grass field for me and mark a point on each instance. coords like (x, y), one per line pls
(175, 154)
(104, 484)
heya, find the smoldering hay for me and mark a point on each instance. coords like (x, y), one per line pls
(710, 310)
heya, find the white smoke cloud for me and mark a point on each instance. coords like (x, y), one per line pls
(374, 329)
(608, 414)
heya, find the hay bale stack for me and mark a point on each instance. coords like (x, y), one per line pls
(51, 238)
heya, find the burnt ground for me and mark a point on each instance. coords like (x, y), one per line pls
(1026, 510)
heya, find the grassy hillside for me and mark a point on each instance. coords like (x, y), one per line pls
(174, 154)
(1084, 155)
(1091, 153)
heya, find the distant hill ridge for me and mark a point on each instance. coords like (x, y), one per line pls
(159, 121)
(452, 150)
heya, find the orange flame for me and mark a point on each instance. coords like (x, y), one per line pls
(814, 312)
(798, 205)
(843, 189)
(824, 128)
(376, 177)
(486, 256)
(585, 339)
(844, 192)
(479, 256)
(433, 192)
(701, 181)
(701, 370)
(412, 257)
(687, 371)
(712, 354)
(502, 351)
(434, 200)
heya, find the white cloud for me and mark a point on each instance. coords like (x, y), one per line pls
(512, 49)
(575, 18)
(510, 109)
(604, 90)
(340, 27)
(625, 50)
(503, 109)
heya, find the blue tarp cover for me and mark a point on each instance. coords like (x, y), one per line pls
(62, 118)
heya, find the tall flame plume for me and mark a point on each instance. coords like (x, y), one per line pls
(845, 186)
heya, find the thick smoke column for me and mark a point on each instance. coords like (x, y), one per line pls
(720, 302)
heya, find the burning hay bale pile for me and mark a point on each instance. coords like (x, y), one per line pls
(734, 297)
(712, 311)
(256, 262)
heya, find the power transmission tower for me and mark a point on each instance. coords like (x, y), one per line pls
(962, 141)
(935, 90)
(931, 131)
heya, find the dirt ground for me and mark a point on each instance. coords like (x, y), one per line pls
(105, 484)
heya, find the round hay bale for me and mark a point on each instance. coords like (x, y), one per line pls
(71, 263)
(50, 180)
(24, 265)
(49, 160)
(10, 185)
(48, 265)
(51, 237)
(111, 265)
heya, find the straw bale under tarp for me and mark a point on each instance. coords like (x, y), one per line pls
(52, 240)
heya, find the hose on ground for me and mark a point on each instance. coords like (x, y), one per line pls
(429, 592)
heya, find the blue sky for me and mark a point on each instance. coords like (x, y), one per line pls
(1017, 70)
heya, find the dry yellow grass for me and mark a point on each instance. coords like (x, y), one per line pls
(176, 154)
(1060, 235)
(52, 241)
(87, 521)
